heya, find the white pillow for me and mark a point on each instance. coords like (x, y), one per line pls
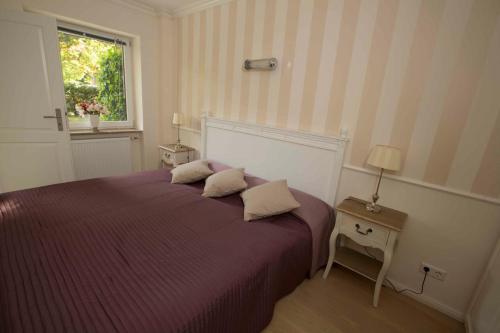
(224, 183)
(268, 199)
(190, 172)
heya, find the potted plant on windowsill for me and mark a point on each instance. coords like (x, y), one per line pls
(93, 110)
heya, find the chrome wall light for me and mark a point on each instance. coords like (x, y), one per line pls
(268, 64)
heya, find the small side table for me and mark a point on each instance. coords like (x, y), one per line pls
(377, 230)
(172, 155)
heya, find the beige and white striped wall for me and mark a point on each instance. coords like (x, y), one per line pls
(423, 75)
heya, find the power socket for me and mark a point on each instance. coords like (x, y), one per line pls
(434, 272)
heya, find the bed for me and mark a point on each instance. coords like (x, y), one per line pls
(138, 254)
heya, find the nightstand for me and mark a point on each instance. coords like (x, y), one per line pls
(377, 230)
(172, 155)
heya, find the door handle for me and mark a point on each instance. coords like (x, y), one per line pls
(59, 119)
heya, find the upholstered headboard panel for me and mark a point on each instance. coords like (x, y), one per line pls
(310, 163)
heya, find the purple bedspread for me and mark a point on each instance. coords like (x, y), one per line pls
(138, 254)
(316, 213)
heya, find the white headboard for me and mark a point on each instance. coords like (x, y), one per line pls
(310, 163)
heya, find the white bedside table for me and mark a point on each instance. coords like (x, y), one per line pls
(377, 230)
(172, 155)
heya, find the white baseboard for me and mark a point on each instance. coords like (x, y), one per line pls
(431, 302)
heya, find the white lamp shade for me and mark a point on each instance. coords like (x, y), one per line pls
(385, 157)
(177, 118)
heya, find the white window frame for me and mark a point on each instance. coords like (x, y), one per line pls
(128, 73)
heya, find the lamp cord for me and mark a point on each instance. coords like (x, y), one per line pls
(392, 284)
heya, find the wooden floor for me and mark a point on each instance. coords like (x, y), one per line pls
(342, 303)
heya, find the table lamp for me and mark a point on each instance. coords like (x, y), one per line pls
(385, 158)
(177, 121)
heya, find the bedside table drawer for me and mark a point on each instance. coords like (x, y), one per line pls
(364, 232)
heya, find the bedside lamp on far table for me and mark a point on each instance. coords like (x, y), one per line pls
(177, 121)
(173, 154)
(385, 158)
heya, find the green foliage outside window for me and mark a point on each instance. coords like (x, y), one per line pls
(110, 80)
(93, 71)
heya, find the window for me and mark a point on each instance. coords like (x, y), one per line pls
(96, 67)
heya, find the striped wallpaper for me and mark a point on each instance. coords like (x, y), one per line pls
(423, 75)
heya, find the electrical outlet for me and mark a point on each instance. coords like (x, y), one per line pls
(434, 272)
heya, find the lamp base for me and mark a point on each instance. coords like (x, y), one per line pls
(373, 207)
(178, 145)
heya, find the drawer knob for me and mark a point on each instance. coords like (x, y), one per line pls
(363, 232)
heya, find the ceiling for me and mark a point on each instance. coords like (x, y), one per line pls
(168, 5)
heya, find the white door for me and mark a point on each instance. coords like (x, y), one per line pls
(34, 150)
(483, 315)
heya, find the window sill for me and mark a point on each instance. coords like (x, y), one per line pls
(81, 134)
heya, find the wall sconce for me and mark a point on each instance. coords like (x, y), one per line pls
(268, 64)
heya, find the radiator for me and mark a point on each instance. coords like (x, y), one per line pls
(101, 157)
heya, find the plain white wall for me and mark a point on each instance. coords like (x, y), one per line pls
(11, 4)
(144, 28)
(484, 314)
